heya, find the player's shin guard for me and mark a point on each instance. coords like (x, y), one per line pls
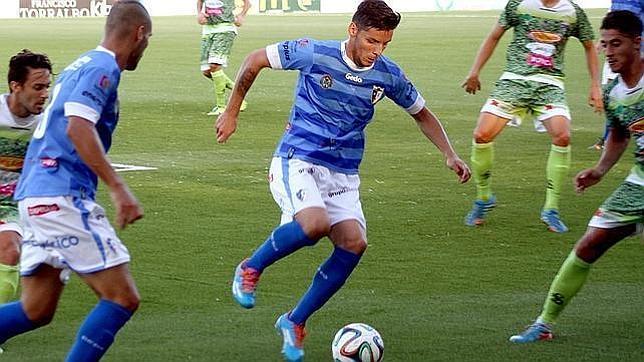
(556, 173)
(14, 321)
(482, 159)
(9, 278)
(328, 279)
(283, 241)
(98, 331)
(219, 82)
(569, 280)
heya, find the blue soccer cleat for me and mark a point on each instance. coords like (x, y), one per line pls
(551, 218)
(293, 335)
(244, 285)
(480, 208)
(536, 332)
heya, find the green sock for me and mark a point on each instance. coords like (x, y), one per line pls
(8, 282)
(569, 280)
(219, 81)
(556, 173)
(229, 82)
(482, 158)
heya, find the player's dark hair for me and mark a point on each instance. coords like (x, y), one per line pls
(375, 14)
(20, 63)
(124, 15)
(623, 21)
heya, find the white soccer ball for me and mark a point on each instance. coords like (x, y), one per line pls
(357, 342)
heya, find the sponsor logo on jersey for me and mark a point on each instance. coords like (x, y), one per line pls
(376, 94)
(353, 78)
(303, 42)
(61, 242)
(637, 127)
(39, 210)
(48, 162)
(544, 37)
(287, 51)
(92, 97)
(326, 81)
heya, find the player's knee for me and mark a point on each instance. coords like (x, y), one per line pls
(214, 68)
(130, 301)
(206, 73)
(317, 229)
(357, 246)
(9, 253)
(481, 136)
(39, 315)
(561, 139)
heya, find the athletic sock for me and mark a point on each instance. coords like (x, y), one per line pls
(9, 278)
(283, 241)
(229, 82)
(556, 173)
(569, 280)
(14, 321)
(482, 159)
(219, 82)
(98, 331)
(328, 279)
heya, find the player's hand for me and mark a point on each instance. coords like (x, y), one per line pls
(202, 19)
(225, 126)
(128, 209)
(472, 84)
(586, 179)
(460, 168)
(595, 99)
(239, 20)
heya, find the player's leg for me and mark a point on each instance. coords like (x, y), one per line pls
(118, 300)
(41, 291)
(557, 168)
(9, 257)
(305, 221)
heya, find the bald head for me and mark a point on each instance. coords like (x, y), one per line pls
(125, 17)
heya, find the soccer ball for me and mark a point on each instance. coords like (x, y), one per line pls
(357, 342)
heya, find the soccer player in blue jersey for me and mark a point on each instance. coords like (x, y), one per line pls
(63, 225)
(314, 173)
(622, 214)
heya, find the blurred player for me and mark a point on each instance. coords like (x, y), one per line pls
(533, 83)
(314, 173)
(219, 29)
(634, 6)
(20, 111)
(622, 214)
(64, 227)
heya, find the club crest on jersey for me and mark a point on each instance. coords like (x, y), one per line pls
(637, 127)
(326, 81)
(376, 94)
(104, 82)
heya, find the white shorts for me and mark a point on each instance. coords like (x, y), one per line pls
(68, 232)
(297, 185)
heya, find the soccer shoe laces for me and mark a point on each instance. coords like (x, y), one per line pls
(250, 277)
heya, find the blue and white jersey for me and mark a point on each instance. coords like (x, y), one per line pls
(87, 89)
(334, 101)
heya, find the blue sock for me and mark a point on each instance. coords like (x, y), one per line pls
(606, 131)
(98, 331)
(14, 321)
(329, 278)
(283, 241)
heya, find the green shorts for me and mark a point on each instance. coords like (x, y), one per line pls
(526, 99)
(624, 207)
(215, 48)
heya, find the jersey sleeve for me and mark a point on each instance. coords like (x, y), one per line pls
(404, 93)
(291, 54)
(94, 87)
(582, 30)
(611, 118)
(509, 17)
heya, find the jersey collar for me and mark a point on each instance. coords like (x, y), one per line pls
(101, 48)
(350, 63)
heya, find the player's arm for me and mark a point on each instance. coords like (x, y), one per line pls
(434, 131)
(472, 82)
(595, 96)
(239, 18)
(201, 17)
(227, 122)
(616, 144)
(87, 144)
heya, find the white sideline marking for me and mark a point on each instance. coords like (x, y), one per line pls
(120, 167)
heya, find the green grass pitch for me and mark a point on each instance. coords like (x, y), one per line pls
(435, 289)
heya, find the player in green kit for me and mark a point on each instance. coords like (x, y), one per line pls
(219, 29)
(531, 85)
(21, 109)
(622, 214)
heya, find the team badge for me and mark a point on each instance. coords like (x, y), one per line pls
(376, 94)
(104, 82)
(326, 81)
(301, 194)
